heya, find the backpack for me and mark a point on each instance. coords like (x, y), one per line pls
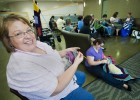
(136, 34)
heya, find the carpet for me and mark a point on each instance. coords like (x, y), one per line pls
(103, 91)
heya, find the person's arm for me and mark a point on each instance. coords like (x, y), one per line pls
(65, 78)
(104, 57)
(91, 61)
(64, 52)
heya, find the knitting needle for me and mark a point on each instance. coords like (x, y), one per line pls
(85, 57)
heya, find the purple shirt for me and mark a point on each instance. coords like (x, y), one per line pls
(96, 55)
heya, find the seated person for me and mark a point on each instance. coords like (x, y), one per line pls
(60, 23)
(34, 69)
(80, 23)
(68, 26)
(96, 64)
(106, 25)
(130, 18)
(115, 21)
(128, 22)
(52, 24)
(86, 29)
(98, 27)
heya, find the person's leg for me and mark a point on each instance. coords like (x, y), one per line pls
(79, 94)
(80, 78)
(117, 32)
(107, 77)
(110, 30)
(107, 31)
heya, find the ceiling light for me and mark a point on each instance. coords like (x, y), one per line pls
(84, 4)
(100, 1)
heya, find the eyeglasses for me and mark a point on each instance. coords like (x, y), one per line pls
(22, 34)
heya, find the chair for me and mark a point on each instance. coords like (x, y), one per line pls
(77, 40)
(18, 94)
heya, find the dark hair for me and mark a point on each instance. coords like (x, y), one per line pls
(87, 20)
(80, 18)
(4, 32)
(104, 16)
(61, 17)
(52, 17)
(68, 21)
(99, 41)
(115, 14)
(130, 13)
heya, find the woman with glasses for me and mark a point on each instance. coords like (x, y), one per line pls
(34, 69)
(96, 64)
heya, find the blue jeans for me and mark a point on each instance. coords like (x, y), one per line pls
(79, 93)
(81, 77)
(107, 77)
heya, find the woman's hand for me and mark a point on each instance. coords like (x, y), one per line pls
(65, 78)
(104, 61)
(79, 58)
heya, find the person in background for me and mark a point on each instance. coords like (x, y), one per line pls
(127, 25)
(96, 26)
(52, 24)
(130, 18)
(95, 62)
(34, 69)
(116, 22)
(68, 26)
(129, 22)
(53, 27)
(92, 21)
(107, 26)
(114, 18)
(80, 22)
(60, 23)
(86, 29)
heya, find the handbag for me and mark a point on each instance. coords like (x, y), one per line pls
(135, 34)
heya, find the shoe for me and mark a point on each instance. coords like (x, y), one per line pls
(129, 88)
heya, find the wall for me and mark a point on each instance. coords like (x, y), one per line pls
(48, 9)
(122, 6)
(92, 7)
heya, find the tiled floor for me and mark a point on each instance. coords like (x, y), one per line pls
(120, 48)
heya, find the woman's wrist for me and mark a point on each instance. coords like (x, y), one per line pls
(101, 62)
(75, 64)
